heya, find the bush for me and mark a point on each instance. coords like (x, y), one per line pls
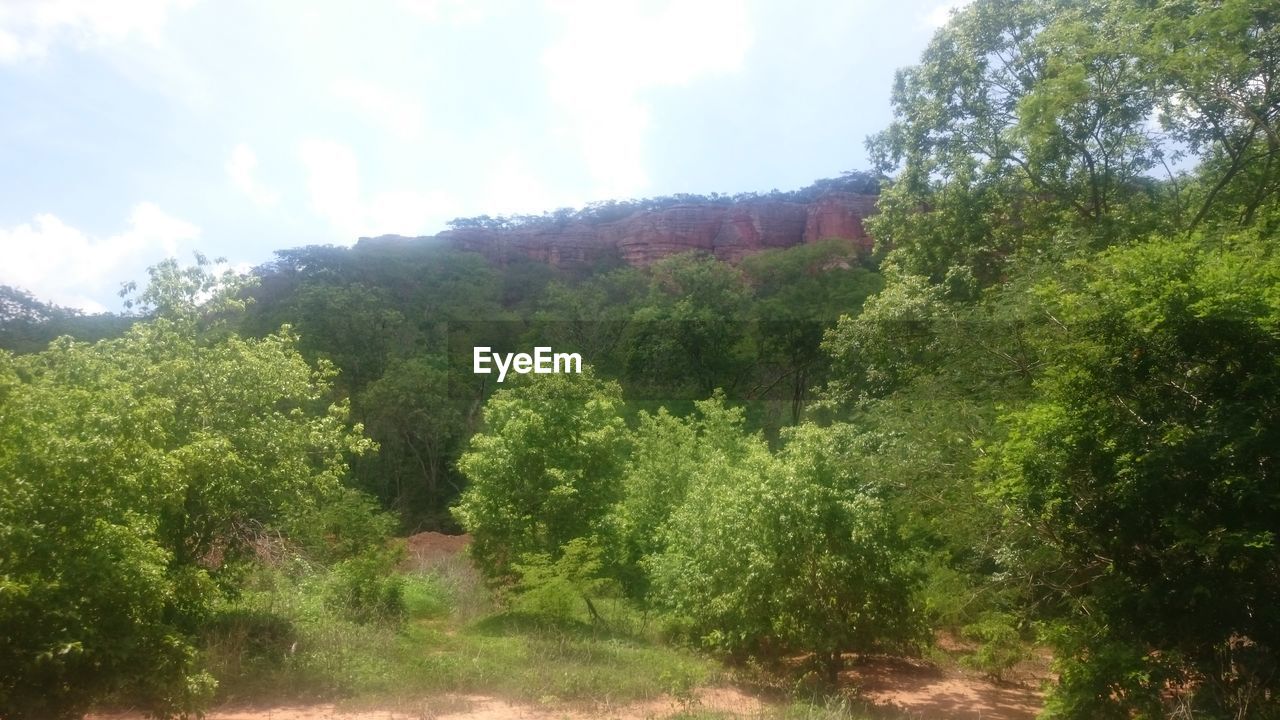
(545, 469)
(343, 525)
(366, 588)
(1000, 645)
(556, 589)
(792, 553)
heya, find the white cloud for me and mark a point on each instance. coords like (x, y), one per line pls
(453, 12)
(240, 168)
(609, 54)
(62, 264)
(28, 28)
(333, 183)
(397, 112)
(941, 14)
(513, 189)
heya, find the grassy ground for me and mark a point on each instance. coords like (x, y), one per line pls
(289, 637)
(281, 641)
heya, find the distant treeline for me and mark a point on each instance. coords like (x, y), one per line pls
(607, 211)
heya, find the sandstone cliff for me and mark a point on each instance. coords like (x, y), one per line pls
(728, 231)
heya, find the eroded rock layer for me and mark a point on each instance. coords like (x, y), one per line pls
(727, 231)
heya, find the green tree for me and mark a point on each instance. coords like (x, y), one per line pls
(1218, 76)
(1023, 121)
(793, 553)
(1140, 484)
(797, 295)
(419, 427)
(544, 470)
(686, 335)
(666, 453)
(125, 465)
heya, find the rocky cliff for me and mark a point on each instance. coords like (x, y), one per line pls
(728, 231)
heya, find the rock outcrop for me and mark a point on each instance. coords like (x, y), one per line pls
(729, 231)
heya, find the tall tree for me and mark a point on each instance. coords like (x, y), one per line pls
(1146, 467)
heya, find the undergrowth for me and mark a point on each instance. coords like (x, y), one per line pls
(292, 634)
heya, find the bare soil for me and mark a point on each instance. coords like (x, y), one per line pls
(900, 688)
(921, 690)
(429, 548)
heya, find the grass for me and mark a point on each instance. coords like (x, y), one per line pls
(280, 641)
(284, 640)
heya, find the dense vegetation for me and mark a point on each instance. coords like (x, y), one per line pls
(1044, 412)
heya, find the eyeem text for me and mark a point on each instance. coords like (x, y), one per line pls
(541, 362)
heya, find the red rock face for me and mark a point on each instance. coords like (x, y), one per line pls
(840, 215)
(752, 227)
(729, 232)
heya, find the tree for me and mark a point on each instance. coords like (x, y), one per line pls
(798, 294)
(685, 336)
(418, 424)
(544, 470)
(1218, 79)
(793, 553)
(667, 452)
(1023, 120)
(125, 465)
(1140, 485)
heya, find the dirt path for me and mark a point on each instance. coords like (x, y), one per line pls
(921, 690)
(902, 689)
(482, 707)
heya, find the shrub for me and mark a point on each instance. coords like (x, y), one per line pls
(789, 553)
(545, 469)
(366, 588)
(557, 589)
(1000, 645)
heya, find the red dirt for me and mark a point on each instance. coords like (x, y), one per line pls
(903, 689)
(426, 548)
(921, 690)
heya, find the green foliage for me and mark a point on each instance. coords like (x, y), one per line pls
(557, 589)
(1028, 122)
(798, 294)
(1146, 465)
(366, 589)
(419, 426)
(1219, 94)
(664, 456)
(339, 525)
(545, 469)
(890, 342)
(667, 452)
(821, 571)
(128, 465)
(1001, 645)
(687, 332)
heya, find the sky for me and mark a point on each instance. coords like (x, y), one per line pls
(134, 130)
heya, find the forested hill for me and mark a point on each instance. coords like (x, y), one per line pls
(400, 320)
(398, 317)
